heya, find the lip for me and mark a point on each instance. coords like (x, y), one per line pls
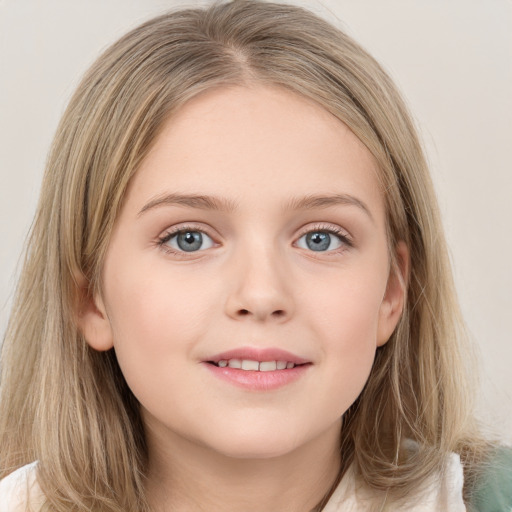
(258, 354)
(256, 380)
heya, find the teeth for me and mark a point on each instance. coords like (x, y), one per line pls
(249, 364)
(268, 366)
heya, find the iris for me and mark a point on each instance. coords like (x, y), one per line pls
(189, 241)
(318, 241)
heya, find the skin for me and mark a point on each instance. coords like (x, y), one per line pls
(255, 282)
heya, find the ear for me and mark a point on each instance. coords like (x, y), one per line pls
(92, 317)
(394, 299)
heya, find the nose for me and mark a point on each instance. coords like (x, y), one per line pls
(260, 287)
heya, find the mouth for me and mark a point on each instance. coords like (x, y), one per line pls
(258, 369)
(255, 366)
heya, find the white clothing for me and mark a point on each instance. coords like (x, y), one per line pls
(439, 496)
(445, 496)
(17, 487)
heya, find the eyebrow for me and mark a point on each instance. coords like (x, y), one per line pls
(191, 201)
(205, 202)
(325, 201)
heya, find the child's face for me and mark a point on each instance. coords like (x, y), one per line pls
(266, 263)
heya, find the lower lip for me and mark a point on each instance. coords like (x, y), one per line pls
(256, 380)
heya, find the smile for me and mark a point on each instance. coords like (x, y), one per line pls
(256, 366)
(258, 369)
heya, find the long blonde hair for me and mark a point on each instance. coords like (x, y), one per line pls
(69, 407)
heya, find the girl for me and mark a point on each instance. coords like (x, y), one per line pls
(236, 294)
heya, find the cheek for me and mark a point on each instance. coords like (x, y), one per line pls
(347, 308)
(156, 319)
(345, 316)
(153, 304)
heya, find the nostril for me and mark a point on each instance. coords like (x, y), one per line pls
(277, 313)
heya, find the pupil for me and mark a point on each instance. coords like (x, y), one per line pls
(190, 241)
(318, 241)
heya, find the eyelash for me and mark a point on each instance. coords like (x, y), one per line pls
(331, 229)
(162, 241)
(343, 236)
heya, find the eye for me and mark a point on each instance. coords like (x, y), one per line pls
(187, 240)
(322, 240)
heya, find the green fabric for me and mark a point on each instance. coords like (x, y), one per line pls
(494, 491)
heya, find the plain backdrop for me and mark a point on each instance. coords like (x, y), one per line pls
(452, 59)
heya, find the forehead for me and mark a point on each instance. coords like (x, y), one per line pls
(250, 144)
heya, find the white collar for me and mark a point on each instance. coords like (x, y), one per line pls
(441, 493)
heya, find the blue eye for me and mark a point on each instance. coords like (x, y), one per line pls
(321, 241)
(188, 241)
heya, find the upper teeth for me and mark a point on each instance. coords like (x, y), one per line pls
(248, 364)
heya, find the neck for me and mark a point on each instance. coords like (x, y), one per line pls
(184, 476)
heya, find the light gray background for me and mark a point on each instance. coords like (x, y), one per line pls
(453, 61)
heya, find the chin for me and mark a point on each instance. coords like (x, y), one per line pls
(258, 451)
(258, 444)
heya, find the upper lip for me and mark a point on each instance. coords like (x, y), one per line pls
(258, 354)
